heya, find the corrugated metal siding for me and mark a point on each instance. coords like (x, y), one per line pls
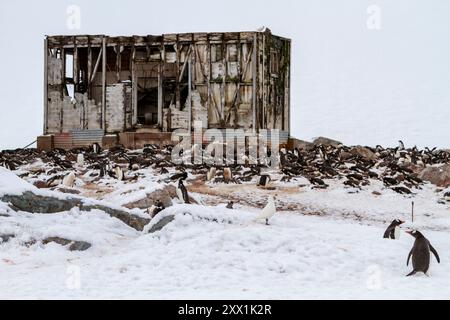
(82, 138)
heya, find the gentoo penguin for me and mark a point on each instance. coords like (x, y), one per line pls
(182, 192)
(156, 208)
(118, 173)
(393, 231)
(96, 148)
(230, 205)
(80, 159)
(447, 196)
(227, 176)
(69, 180)
(211, 174)
(401, 145)
(264, 180)
(178, 176)
(268, 211)
(420, 253)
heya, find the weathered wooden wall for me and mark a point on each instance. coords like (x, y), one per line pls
(225, 80)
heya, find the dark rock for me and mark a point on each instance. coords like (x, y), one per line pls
(73, 245)
(162, 223)
(68, 191)
(6, 237)
(30, 202)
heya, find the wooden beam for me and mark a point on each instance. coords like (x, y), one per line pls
(104, 84)
(190, 92)
(45, 86)
(134, 84)
(89, 72)
(75, 65)
(254, 71)
(97, 63)
(160, 85)
(118, 61)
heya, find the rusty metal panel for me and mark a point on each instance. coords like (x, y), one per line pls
(63, 141)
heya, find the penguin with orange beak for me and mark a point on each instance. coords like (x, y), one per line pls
(420, 253)
(393, 231)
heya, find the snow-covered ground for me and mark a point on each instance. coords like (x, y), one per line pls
(296, 257)
(211, 252)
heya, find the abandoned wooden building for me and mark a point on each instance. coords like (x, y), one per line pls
(138, 89)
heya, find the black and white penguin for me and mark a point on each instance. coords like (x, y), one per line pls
(156, 208)
(230, 205)
(118, 173)
(96, 148)
(401, 145)
(264, 180)
(420, 253)
(182, 192)
(447, 196)
(178, 176)
(393, 231)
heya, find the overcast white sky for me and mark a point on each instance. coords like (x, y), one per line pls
(350, 83)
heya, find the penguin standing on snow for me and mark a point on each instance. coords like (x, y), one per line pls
(182, 192)
(420, 253)
(268, 211)
(230, 205)
(264, 180)
(156, 208)
(393, 231)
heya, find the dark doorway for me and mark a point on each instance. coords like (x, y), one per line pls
(147, 102)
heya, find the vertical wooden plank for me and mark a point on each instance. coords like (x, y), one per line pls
(134, 83)
(160, 85)
(289, 78)
(62, 88)
(75, 64)
(118, 62)
(224, 78)
(45, 86)
(192, 50)
(190, 92)
(208, 75)
(263, 83)
(177, 75)
(240, 76)
(103, 126)
(89, 88)
(254, 71)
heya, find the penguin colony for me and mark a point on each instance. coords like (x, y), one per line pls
(397, 168)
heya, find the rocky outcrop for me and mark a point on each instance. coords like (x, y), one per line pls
(6, 237)
(30, 202)
(161, 223)
(165, 194)
(364, 153)
(326, 142)
(73, 245)
(437, 175)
